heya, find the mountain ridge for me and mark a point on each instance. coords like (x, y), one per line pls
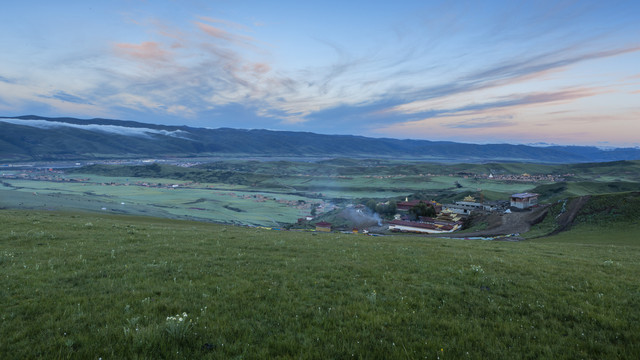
(37, 138)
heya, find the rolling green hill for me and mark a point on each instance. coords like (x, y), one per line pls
(563, 190)
(600, 215)
(32, 138)
(95, 286)
(621, 171)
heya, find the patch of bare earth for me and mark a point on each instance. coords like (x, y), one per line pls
(571, 210)
(500, 224)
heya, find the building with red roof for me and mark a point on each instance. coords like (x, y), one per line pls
(323, 226)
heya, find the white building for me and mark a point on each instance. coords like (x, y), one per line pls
(466, 207)
(523, 200)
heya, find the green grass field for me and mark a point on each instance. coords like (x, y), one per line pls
(209, 202)
(89, 286)
(628, 235)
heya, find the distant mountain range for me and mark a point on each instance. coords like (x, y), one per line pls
(36, 138)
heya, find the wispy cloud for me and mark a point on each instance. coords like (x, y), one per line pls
(483, 122)
(226, 23)
(64, 96)
(147, 51)
(502, 75)
(222, 68)
(222, 34)
(6, 80)
(515, 102)
(187, 73)
(539, 63)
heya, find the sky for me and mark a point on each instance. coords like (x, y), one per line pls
(520, 72)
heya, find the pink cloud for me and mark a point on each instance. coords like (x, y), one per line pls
(223, 34)
(258, 68)
(180, 38)
(227, 23)
(148, 50)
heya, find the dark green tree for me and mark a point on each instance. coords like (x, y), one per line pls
(155, 167)
(371, 204)
(387, 210)
(422, 209)
(392, 209)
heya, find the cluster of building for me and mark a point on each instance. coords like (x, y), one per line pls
(49, 175)
(449, 216)
(525, 177)
(445, 220)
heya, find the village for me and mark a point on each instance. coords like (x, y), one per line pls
(431, 217)
(525, 177)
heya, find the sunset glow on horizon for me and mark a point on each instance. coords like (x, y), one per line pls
(478, 72)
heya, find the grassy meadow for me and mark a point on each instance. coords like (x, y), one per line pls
(90, 286)
(208, 202)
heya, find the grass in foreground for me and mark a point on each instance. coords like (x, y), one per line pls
(588, 234)
(89, 286)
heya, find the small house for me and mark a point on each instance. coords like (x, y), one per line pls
(323, 226)
(523, 200)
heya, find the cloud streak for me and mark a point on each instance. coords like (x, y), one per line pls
(514, 102)
(113, 129)
(503, 75)
(64, 96)
(224, 35)
(6, 80)
(483, 122)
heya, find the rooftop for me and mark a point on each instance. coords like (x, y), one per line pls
(524, 195)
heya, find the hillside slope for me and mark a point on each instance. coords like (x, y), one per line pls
(597, 213)
(27, 138)
(600, 213)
